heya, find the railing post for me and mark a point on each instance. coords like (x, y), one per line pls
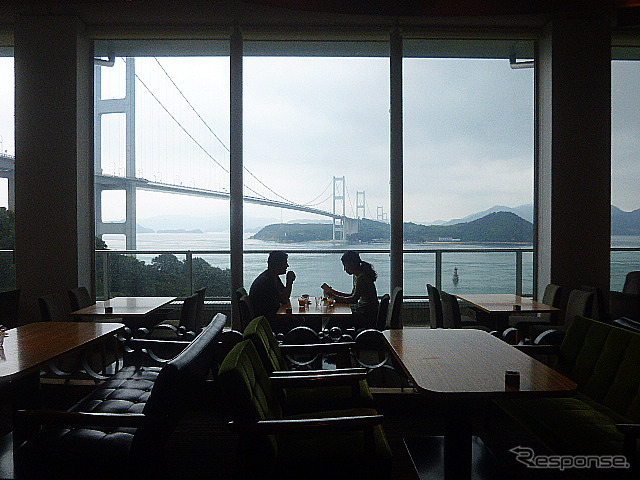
(518, 272)
(439, 269)
(190, 270)
(106, 282)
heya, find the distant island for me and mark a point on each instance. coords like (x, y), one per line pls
(497, 227)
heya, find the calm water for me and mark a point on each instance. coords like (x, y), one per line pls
(478, 272)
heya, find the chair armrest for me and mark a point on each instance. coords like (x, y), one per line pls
(298, 373)
(269, 427)
(80, 419)
(532, 350)
(313, 381)
(550, 337)
(336, 347)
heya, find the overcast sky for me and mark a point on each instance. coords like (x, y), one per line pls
(468, 133)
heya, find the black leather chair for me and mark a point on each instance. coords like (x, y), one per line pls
(552, 296)
(579, 304)
(53, 308)
(394, 313)
(246, 311)
(79, 298)
(120, 429)
(383, 308)
(435, 307)
(9, 308)
(451, 316)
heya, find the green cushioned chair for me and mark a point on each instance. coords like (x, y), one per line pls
(346, 443)
(604, 361)
(306, 399)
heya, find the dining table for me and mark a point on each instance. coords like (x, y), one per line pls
(132, 311)
(499, 306)
(460, 370)
(316, 312)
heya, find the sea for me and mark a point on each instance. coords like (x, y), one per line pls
(480, 271)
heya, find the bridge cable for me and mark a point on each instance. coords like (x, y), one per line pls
(350, 203)
(221, 142)
(322, 193)
(191, 136)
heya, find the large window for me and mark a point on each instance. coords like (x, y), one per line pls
(162, 162)
(316, 136)
(625, 166)
(468, 166)
(7, 157)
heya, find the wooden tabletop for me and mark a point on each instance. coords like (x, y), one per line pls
(30, 347)
(504, 302)
(125, 307)
(470, 363)
(312, 309)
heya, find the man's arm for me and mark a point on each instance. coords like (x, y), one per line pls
(286, 292)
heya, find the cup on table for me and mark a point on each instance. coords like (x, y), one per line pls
(517, 307)
(302, 302)
(3, 333)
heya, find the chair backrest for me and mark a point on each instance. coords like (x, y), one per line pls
(238, 294)
(188, 313)
(632, 283)
(435, 307)
(394, 313)
(246, 311)
(52, 308)
(180, 386)
(248, 390)
(603, 360)
(579, 304)
(201, 293)
(383, 308)
(598, 310)
(451, 317)
(260, 333)
(9, 307)
(552, 295)
(79, 298)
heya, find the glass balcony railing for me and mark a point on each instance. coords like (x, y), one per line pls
(180, 272)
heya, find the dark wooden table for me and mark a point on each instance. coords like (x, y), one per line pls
(130, 310)
(462, 367)
(31, 347)
(500, 305)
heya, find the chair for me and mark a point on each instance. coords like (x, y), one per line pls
(246, 311)
(394, 313)
(332, 443)
(579, 304)
(383, 308)
(53, 309)
(435, 307)
(201, 293)
(276, 361)
(552, 296)
(302, 335)
(79, 298)
(624, 307)
(9, 308)
(451, 317)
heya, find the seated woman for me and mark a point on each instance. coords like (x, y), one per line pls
(364, 293)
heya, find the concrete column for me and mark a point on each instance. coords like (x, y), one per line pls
(54, 158)
(236, 171)
(396, 163)
(573, 171)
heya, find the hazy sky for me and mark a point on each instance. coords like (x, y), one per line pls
(468, 133)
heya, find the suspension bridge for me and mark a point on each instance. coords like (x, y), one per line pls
(174, 150)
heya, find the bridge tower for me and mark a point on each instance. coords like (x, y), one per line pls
(339, 201)
(126, 106)
(381, 216)
(360, 205)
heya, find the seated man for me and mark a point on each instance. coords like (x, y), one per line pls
(267, 291)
